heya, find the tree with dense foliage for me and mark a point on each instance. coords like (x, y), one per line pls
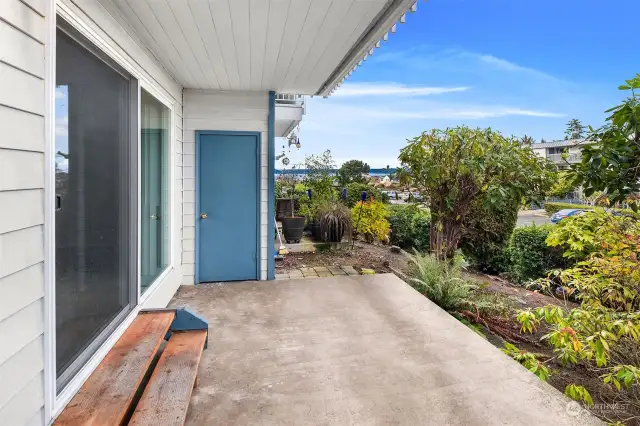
(575, 130)
(353, 171)
(319, 173)
(564, 185)
(612, 162)
(355, 190)
(455, 167)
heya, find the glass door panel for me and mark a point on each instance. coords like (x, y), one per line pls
(95, 186)
(154, 162)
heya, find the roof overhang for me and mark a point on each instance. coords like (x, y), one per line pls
(289, 46)
(378, 32)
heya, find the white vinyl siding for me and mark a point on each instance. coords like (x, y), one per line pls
(23, 30)
(219, 110)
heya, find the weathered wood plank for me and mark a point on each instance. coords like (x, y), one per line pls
(166, 397)
(106, 396)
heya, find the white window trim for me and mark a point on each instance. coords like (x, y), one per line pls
(55, 402)
(151, 89)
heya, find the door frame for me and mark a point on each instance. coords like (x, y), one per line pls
(258, 135)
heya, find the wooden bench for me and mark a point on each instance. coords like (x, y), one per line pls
(129, 387)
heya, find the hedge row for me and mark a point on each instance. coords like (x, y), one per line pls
(527, 255)
(551, 208)
(409, 227)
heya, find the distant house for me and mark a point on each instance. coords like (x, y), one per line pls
(553, 151)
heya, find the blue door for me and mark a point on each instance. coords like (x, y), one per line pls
(228, 206)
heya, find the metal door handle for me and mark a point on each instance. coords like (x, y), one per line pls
(203, 215)
(154, 217)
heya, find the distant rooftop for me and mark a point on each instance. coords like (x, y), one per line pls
(560, 143)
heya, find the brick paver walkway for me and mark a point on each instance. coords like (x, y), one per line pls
(318, 271)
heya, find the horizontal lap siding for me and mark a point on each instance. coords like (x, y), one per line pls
(216, 110)
(23, 36)
(23, 29)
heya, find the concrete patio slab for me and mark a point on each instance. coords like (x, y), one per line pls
(354, 350)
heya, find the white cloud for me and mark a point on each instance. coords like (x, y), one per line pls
(385, 89)
(451, 112)
(505, 65)
(60, 95)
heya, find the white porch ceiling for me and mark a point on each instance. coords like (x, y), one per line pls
(291, 46)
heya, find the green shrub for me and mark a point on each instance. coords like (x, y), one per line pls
(355, 190)
(530, 257)
(370, 220)
(400, 219)
(581, 236)
(420, 228)
(487, 235)
(409, 227)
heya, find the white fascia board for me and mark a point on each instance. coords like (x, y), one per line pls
(387, 18)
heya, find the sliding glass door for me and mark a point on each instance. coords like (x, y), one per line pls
(96, 199)
(154, 189)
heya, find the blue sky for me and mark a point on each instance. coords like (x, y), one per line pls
(521, 67)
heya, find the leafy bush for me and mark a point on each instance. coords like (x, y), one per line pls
(529, 256)
(487, 234)
(420, 230)
(309, 207)
(598, 230)
(409, 227)
(370, 220)
(355, 190)
(528, 361)
(400, 219)
(607, 284)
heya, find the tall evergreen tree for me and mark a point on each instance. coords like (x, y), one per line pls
(575, 130)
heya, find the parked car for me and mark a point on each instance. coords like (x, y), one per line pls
(561, 214)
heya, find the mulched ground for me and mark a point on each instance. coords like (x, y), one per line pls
(378, 258)
(608, 403)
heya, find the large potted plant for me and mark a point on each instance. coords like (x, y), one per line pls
(292, 224)
(335, 222)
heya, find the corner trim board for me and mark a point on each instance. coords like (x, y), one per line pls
(271, 187)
